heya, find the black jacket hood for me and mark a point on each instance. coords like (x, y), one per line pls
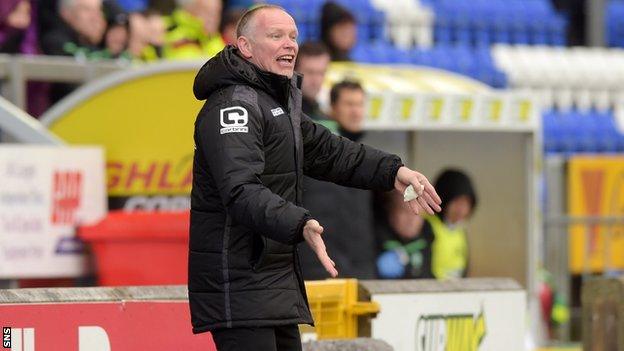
(229, 68)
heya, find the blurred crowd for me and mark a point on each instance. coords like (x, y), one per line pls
(130, 29)
(143, 30)
(137, 31)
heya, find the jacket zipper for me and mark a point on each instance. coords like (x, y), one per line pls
(292, 129)
(303, 296)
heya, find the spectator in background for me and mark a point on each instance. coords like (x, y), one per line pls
(157, 31)
(338, 30)
(147, 36)
(19, 35)
(80, 30)
(193, 30)
(449, 257)
(228, 25)
(347, 101)
(117, 31)
(78, 33)
(346, 213)
(312, 62)
(18, 32)
(139, 29)
(440, 250)
(404, 252)
(116, 39)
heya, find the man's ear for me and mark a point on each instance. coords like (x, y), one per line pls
(244, 46)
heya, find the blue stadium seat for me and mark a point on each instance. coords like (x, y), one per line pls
(479, 22)
(574, 132)
(463, 32)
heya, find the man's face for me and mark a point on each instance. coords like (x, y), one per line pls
(272, 42)
(86, 18)
(20, 18)
(313, 69)
(348, 110)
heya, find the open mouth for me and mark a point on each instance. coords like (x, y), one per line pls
(286, 59)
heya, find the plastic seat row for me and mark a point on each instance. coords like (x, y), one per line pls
(408, 22)
(420, 23)
(307, 14)
(575, 132)
(474, 62)
(478, 22)
(583, 77)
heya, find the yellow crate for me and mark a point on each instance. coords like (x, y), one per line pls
(335, 308)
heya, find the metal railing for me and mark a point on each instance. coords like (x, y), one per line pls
(17, 70)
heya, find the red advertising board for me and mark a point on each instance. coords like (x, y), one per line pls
(101, 326)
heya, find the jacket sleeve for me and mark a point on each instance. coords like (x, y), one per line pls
(333, 158)
(235, 160)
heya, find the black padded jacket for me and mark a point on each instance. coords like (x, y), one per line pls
(252, 147)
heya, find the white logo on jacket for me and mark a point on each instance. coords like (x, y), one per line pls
(234, 120)
(277, 111)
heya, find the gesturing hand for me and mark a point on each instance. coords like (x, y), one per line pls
(428, 199)
(312, 234)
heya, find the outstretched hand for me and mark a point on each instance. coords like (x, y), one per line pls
(312, 234)
(427, 200)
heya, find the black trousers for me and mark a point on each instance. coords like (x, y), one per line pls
(283, 338)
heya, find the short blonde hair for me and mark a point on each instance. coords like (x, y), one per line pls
(242, 28)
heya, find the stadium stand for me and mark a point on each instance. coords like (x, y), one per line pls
(576, 77)
(475, 62)
(483, 22)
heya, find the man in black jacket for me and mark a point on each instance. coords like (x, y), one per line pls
(349, 219)
(253, 145)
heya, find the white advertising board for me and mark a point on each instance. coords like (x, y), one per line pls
(45, 192)
(454, 321)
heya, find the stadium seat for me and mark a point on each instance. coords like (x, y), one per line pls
(584, 78)
(480, 22)
(572, 132)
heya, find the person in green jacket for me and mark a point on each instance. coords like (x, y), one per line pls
(193, 30)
